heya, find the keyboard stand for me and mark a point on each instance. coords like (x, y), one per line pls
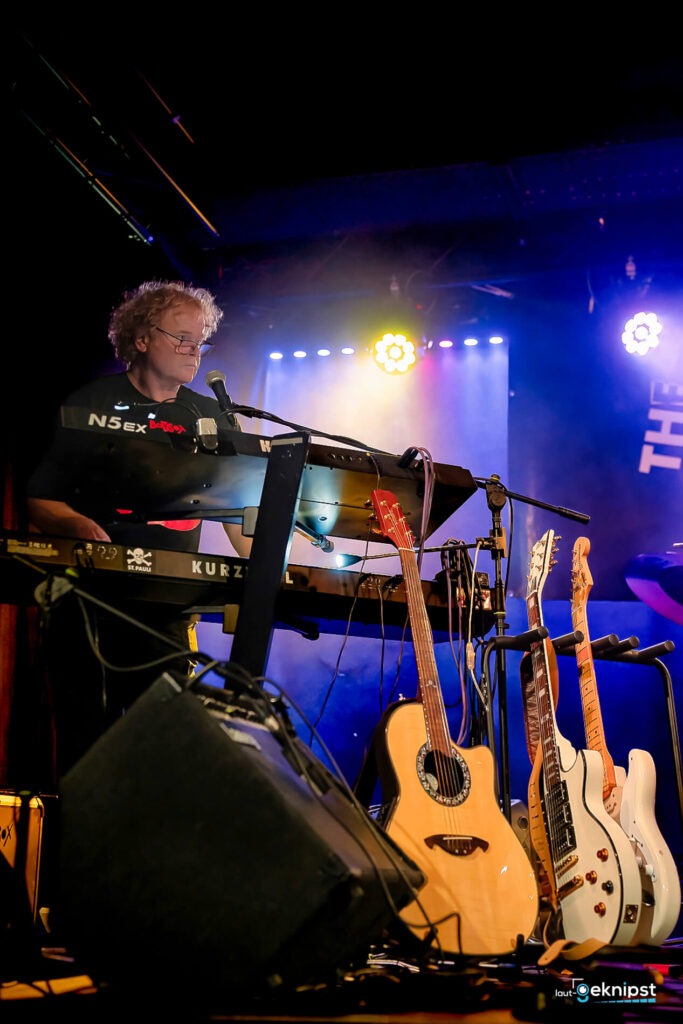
(273, 532)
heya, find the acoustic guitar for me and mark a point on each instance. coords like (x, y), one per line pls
(628, 798)
(587, 857)
(480, 897)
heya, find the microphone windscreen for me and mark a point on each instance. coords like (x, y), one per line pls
(214, 375)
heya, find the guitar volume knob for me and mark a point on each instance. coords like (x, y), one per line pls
(600, 909)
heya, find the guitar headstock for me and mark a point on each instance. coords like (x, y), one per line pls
(541, 562)
(392, 522)
(582, 581)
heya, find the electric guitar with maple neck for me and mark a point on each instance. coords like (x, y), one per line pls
(588, 858)
(480, 897)
(629, 799)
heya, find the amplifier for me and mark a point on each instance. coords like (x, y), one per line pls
(207, 847)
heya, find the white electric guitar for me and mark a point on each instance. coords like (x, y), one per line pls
(629, 799)
(591, 868)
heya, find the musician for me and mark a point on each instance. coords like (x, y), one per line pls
(159, 332)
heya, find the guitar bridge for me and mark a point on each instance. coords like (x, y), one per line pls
(569, 887)
(459, 846)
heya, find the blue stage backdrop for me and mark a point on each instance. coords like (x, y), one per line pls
(564, 418)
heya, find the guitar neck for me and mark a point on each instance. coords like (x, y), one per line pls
(423, 643)
(544, 699)
(590, 702)
(555, 803)
(394, 526)
(592, 714)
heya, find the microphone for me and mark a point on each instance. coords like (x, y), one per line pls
(207, 432)
(215, 379)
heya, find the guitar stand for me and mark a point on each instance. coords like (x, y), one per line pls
(502, 643)
(611, 648)
(606, 648)
(496, 497)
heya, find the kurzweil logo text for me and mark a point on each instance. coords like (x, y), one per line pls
(220, 570)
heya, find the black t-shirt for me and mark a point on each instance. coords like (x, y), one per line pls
(101, 464)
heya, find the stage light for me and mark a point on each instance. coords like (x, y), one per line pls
(641, 333)
(446, 343)
(324, 352)
(471, 342)
(276, 355)
(495, 340)
(343, 561)
(394, 353)
(347, 350)
(299, 354)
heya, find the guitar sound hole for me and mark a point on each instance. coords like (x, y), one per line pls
(446, 779)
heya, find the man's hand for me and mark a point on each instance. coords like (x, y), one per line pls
(60, 520)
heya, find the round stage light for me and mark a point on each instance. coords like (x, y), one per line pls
(394, 353)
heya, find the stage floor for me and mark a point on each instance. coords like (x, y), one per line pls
(40, 982)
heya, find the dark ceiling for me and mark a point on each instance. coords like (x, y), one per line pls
(310, 165)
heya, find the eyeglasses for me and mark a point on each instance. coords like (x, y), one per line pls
(186, 346)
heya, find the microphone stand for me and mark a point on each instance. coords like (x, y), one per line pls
(496, 497)
(496, 500)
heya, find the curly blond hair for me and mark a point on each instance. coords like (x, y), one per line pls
(142, 307)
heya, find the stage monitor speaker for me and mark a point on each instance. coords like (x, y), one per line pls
(201, 846)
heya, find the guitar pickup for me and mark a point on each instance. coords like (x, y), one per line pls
(566, 865)
(569, 887)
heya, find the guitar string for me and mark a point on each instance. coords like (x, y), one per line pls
(426, 666)
(592, 715)
(546, 716)
(444, 769)
(579, 621)
(590, 699)
(446, 780)
(551, 777)
(425, 631)
(431, 692)
(449, 781)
